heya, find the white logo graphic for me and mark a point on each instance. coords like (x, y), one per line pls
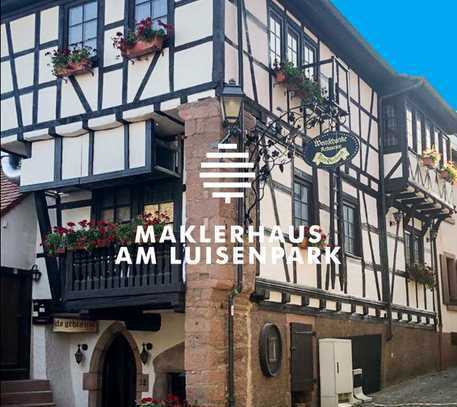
(237, 163)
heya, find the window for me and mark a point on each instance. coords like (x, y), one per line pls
(309, 57)
(156, 9)
(428, 134)
(390, 122)
(448, 264)
(82, 25)
(351, 228)
(414, 248)
(418, 133)
(275, 39)
(292, 47)
(409, 127)
(166, 208)
(115, 205)
(302, 203)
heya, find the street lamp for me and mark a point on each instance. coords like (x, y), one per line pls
(231, 100)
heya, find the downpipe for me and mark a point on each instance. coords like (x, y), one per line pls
(238, 287)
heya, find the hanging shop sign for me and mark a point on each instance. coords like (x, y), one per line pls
(73, 325)
(331, 149)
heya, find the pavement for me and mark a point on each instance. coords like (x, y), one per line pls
(435, 389)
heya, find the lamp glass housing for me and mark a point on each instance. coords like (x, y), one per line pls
(231, 98)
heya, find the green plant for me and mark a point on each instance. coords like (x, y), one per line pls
(144, 31)
(422, 274)
(296, 79)
(92, 235)
(450, 170)
(431, 154)
(64, 58)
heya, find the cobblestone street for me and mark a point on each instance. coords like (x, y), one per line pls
(436, 389)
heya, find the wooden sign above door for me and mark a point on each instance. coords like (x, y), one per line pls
(72, 325)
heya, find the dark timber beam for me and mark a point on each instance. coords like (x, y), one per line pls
(45, 227)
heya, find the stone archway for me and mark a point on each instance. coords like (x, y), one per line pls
(169, 361)
(92, 380)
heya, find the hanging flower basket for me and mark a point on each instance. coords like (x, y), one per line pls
(295, 80)
(144, 40)
(67, 62)
(305, 243)
(421, 274)
(430, 158)
(449, 172)
(280, 76)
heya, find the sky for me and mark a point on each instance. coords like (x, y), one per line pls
(415, 37)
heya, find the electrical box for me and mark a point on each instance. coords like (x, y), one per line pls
(335, 367)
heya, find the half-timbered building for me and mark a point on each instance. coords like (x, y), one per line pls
(129, 137)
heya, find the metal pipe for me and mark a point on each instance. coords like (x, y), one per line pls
(11, 167)
(238, 285)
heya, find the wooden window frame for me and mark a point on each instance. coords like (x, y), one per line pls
(308, 185)
(66, 25)
(275, 14)
(449, 293)
(307, 42)
(352, 203)
(414, 236)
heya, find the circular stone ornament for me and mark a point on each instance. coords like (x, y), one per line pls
(270, 349)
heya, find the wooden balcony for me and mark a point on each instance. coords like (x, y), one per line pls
(92, 280)
(421, 191)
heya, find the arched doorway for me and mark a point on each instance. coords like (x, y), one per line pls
(119, 375)
(94, 378)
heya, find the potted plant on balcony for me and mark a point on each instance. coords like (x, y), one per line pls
(295, 79)
(305, 243)
(422, 274)
(67, 62)
(430, 158)
(91, 235)
(449, 172)
(144, 40)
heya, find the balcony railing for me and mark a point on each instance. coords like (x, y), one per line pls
(430, 181)
(94, 276)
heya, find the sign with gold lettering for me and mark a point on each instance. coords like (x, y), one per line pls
(73, 325)
(331, 149)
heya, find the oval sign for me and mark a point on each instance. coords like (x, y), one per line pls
(331, 149)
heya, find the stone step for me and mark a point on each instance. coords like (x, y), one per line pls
(17, 386)
(30, 397)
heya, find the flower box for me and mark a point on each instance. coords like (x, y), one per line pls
(280, 76)
(74, 68)
(421, 274)
(430, 158)
(428, 162)
(449, 172)
(147, 38)
(444, 175)
(141, 48)
(295, 80)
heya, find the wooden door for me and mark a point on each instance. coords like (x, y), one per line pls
(366, 355)
(15, 316)
(301, 359)
(119, 375)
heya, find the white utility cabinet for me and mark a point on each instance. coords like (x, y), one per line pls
(335, 366)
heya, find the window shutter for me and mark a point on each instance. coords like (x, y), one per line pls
(444, 279)
(452, 277)
(302, 365)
